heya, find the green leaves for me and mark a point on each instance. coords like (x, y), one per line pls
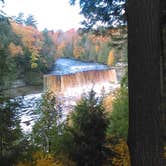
(88, 131)
(10, 131)
(47, 127)
(119, 115)
(100, 11)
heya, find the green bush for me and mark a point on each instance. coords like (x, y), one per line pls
(119, 115)
(88, 131)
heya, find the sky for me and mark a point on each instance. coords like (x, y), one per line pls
(50, 14)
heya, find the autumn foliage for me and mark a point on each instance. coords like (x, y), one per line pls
(111, 58)
(119, 148)
(15, 50)
(33, 53)
(41, 159)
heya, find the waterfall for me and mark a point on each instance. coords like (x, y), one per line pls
(77, 83)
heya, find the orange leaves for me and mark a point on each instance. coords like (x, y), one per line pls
(15, 50)
(120, 148)
(45, 160)
(40, 159)
(77, 51)
(31, 37)
(60, 49)
(97, 48)
(111, 58)
(98, 39)
(23, 163)
(108, 102)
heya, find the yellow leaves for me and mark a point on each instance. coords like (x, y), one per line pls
(15, 50)
(97, 48)
(40, 159)
(34, 65)
(108, 102)
(121, 149)
(34, 58)
(77, 51)
(60, 49)
(30, 36)
(165, 152)
(45, 160)
(24, 163)
(111, 58)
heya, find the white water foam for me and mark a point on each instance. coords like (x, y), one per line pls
(68, 100)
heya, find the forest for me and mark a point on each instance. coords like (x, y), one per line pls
(32, 53)
(112, 130)
(28, 54)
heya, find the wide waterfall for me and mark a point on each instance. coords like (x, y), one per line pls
(69, 79)
(73, 77)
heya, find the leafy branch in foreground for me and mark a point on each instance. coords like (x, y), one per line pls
(105, 12)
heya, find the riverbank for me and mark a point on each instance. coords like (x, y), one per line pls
(24, 90)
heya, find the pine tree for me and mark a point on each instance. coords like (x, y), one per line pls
(10, 131)
(30, 21)
(47, 128)
(88, 131)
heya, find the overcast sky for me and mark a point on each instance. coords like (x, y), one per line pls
(50, 14)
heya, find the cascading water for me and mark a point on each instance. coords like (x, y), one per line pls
(68, 80)
(73, 77)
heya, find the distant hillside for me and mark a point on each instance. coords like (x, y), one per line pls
(31, 53)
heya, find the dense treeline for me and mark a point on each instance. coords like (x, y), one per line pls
(92, 46)
(26, 49)
(31, 53)
(26, 53)
(142, 62)
(89, 136)
(84, 138)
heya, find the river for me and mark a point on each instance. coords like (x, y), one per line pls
(66, 67)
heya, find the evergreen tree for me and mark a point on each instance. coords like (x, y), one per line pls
(20, 18)
(7, 69)
(119, 114)
(30, 21)
(7, 62)
(47, 128)
(88, 131)
(47, 53)
(10, 132)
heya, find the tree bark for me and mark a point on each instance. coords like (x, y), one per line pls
(145, 114)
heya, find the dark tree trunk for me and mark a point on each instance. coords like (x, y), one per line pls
(144, 137)
(163, 62)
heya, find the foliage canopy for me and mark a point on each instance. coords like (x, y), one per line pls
(108, 12)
